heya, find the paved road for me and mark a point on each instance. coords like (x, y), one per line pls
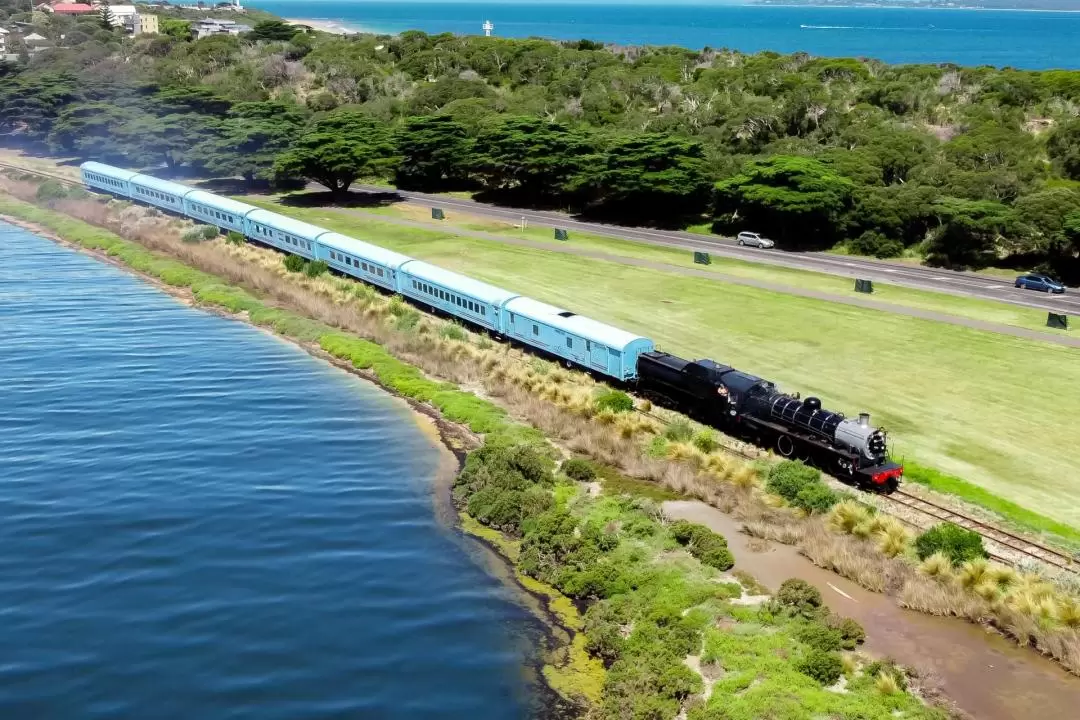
(923, 278)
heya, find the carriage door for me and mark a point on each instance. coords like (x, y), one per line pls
(597, 353)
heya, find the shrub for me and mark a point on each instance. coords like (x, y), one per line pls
(851, 632)
(51, 190)
(234, 238)
(706, 441)
(679, 431)
(819, 637)
(615, 401)
(316, 268)
(890, 669)
(192, 236)
(579, 469)
(797, 597)
(452, 331)
(876, 244)
(956, 543)
(708, 547)
(789, 477)
(816, 498)
(825, 667)
(293, 263)
(209, 232)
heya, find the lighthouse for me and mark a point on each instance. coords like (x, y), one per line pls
(488, 27)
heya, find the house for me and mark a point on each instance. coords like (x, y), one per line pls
(147, 25)
(72, 9)
(35, 40)
(3, 41)
(210, 26)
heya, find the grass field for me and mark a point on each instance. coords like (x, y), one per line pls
(994, 409)
(960, 306)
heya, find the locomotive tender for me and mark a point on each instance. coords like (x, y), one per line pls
(717, 394)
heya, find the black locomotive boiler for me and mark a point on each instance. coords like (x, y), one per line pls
(754, 409)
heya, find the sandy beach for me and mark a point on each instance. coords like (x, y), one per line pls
(332, 26)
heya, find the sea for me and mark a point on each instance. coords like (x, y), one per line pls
(1020, 39)
(199, 520)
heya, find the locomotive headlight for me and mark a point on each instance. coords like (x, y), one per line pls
(876, 443)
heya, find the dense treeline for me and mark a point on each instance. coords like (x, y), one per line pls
(967, 166)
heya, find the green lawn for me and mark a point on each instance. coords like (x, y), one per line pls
(966, 307)
(997, 410)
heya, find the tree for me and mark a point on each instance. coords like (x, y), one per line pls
(1064, 148)
(91, 131)
(250, 139)
(969, 233)
(176, 28)
(436, 154)
(799, 201)
(650, 178)
(530, 161)
(337, 150)
(108, 20)
(273, 31)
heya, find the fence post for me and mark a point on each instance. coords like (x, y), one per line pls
(561, 234)
(437, 214)
(702, 258)
(864, 286)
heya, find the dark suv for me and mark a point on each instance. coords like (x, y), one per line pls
(1043, 283)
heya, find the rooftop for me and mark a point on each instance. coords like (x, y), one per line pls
(72, 8)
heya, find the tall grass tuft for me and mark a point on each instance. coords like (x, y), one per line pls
(937, 566)
(847, 515)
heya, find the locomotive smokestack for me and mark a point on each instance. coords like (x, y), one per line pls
(864, 419)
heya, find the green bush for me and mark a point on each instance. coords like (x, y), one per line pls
(706, 441)
(193, 235)
(819, 637)
(708, 547)
(234, 238)
(209, 232)
(958, 544)
(876, 244)
(825, 667)
(889, 667)
(579, 469)
(316, 268)
(614, 400)
(679, 431)
(789, 477)
(798, 598)
(816, 498)
(293, 263)
(452, 331)
(51, 190)
(851, 632)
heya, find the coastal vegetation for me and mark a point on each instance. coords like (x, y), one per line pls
(962, 166)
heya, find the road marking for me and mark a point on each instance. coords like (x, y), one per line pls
(994, 287)
(888, 270)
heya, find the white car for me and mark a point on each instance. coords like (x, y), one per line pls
(754, 240)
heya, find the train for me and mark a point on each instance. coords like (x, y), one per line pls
(733, 401)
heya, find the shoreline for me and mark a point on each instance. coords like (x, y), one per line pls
(453, 441)
(336, 27)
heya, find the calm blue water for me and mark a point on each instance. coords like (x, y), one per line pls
(200, 521)
(1035, 40)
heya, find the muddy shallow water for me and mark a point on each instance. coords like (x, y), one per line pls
(984, 674)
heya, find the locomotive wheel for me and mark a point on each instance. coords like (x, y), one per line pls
(785, 446)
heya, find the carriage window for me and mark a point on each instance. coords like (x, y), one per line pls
(536, 330)
(570, 343)
(483, 310)
(380, 272)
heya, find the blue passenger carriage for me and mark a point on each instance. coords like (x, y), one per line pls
(292, 236)
(362, 260)
(106, 177)
(164, 194)
(217, 210)
(455, 294)
(581, 340)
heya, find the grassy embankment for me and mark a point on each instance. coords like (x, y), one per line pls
(663, 613)
(940, 302)
(972, 404)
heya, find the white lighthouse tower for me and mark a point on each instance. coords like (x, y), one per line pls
(488, 27)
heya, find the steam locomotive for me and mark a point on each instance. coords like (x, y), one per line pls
(754, 409)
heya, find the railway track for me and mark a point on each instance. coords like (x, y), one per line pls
(51, 176)
(1003, 538)
(1008, 541)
